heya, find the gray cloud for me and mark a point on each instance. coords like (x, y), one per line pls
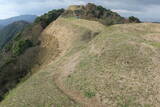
(144, 9)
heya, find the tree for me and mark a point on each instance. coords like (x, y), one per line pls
(133, 19)
(47, 18)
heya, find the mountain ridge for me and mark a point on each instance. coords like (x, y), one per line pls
(72, 58)
(28, 18)
(9, 31)
(94, 12)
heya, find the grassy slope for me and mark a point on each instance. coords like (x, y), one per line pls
(98, 66)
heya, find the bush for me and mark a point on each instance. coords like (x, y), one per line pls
(17, 36)
(8, 47)
(133, 19)
(9, 60)
(89, 94)
(20, 46)
(47, 18)
(100, 8)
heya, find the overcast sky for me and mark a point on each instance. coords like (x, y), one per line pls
(144, 9)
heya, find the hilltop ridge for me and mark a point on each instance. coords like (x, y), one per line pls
(73, 58)
(76, 7)
(27, 18)
(93, 66)
(97, 13)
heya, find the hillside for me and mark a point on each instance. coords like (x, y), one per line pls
(8, 32)
(19, 54)
(18, 57)
(70, 59)
(89, 64)
(28, 18)
(1, 27)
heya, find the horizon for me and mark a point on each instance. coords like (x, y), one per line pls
(144, 10)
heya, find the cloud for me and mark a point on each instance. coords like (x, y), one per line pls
(121, 11)
(144, 9)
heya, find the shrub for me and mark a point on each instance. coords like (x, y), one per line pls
(100, 8)
(89, 94)
(133, 19)
(17, 36)
(20, 46)
(47, 18)
(9, 60)
(8, 47)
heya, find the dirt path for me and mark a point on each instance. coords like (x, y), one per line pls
(64, 40)
(74, 95)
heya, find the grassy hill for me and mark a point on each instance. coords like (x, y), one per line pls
(85, 63)
(23, 52)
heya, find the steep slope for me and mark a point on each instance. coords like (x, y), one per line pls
(88, 64)
(28, 18)
(8, 32)
(19, 55)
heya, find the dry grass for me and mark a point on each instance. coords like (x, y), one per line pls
(119, 67)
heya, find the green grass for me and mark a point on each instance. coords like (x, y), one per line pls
(155, 44)
(89, 94)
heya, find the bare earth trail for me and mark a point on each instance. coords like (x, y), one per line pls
(68, 66)
(76, 96)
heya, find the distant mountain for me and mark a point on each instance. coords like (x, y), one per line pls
(28, 18)
(1, 27)
(10, 30)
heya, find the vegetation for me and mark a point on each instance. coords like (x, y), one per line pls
(89, 94)
(47, 18)
(20, 46)
(15, 62)
(116, 67)
(8, 32)
(7, 47)
(98, 13)
(95, 61)
(133, 19)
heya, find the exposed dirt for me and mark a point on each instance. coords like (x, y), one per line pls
(53, 40)
(66, 70)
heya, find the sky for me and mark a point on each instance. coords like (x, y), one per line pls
(146, 10)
